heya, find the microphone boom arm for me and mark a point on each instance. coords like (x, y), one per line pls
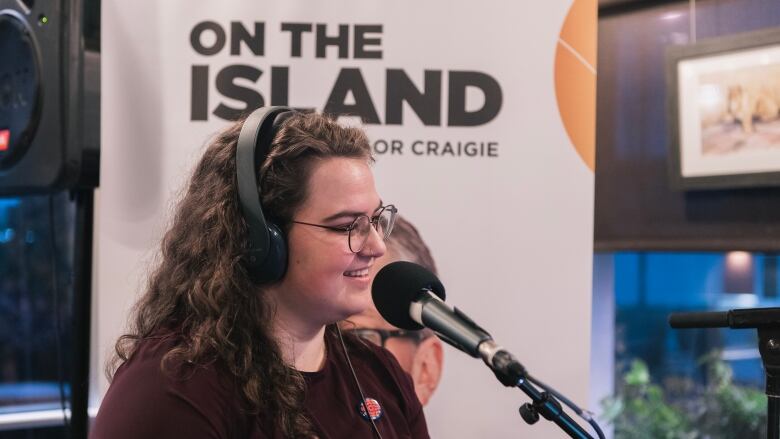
(470, 338)
(511, 373)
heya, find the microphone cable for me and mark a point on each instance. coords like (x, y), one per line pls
(357, 383)
(584, 414)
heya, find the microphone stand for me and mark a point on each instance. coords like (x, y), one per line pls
(767, 322)
(467, 336)
(512, 374)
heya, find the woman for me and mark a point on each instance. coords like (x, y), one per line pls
(213, 354)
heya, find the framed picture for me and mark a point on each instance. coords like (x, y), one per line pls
(724, 112)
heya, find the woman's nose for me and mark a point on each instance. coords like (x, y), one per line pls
(375, 246)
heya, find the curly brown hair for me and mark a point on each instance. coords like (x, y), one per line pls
(200, 288)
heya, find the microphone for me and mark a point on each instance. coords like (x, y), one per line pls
(411, 297)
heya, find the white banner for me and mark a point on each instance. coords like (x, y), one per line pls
(477, 112)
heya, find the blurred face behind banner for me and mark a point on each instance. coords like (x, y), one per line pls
(419, 354)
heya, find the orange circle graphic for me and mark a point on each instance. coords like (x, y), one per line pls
(575, 78)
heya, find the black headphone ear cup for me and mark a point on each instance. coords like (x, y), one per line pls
(275, 264)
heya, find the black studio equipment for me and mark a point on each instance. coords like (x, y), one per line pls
(410, 297)
(767, 323)
(50, 145)
(49, 95)
(266, 258)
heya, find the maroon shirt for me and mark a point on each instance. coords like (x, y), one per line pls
(143, 402)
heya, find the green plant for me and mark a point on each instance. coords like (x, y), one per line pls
(730, 410)
(722, 409)
(640, 412)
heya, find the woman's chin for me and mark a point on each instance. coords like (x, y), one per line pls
(359, 301)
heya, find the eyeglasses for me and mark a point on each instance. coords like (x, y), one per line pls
(360, 228)
(380, 336)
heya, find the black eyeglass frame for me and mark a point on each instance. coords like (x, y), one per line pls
(372, 221)
(416, 336)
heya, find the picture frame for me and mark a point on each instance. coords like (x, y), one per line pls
(723, 98)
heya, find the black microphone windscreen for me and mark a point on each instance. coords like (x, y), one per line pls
(397, 285)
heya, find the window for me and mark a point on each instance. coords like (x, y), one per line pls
(36, 236)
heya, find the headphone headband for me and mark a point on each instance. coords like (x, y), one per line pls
(266, 258)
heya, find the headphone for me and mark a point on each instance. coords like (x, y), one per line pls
(266, 257)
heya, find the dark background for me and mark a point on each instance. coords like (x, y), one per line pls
(636, 208)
